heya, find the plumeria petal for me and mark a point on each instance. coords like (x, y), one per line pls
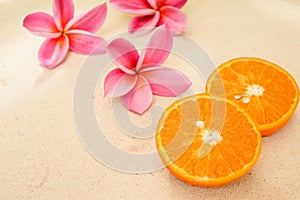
(143, 24)
(124, 54)
(140, 98)
(152, 3)
(86, 43)
(175, 3)
(63, 11)
(158, 48)
(53, 51)
(90, 20)
(174, 19)
(41, 24)
(166, 81)
(118, 83)
(136, 7)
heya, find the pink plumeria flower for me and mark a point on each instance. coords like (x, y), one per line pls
(153, 13)
(64, 31)
(138, 77)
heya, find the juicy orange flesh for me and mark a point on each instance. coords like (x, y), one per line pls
(237, 148)
(265, 109)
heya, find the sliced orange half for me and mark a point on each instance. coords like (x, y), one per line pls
(268, 93)
(207, 141)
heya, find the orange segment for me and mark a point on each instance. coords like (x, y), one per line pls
(268, 93)
(207, 141)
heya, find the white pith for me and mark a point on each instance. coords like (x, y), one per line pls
(211, 137)
(252, 90)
